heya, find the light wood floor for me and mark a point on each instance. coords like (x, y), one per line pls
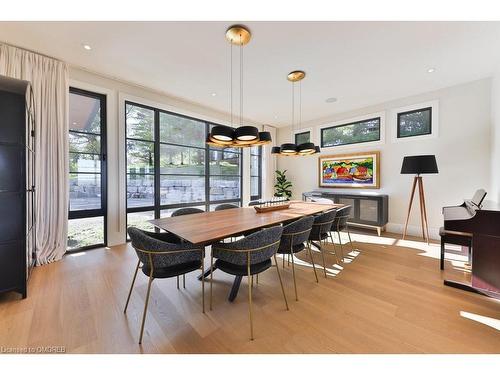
(389, 298)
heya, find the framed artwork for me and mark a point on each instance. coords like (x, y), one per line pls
(361, 170)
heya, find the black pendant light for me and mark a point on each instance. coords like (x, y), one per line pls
(243, 136)
(290, 149)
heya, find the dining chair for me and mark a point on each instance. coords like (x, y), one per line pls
(340, 223)
(292, 242)
(320, 232)
(187, 211)
(162, 256)
(247, 257)
(254, 203)
(225, 206)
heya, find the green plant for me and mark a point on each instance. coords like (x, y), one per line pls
(283, 186)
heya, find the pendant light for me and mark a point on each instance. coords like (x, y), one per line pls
(292, 149)
(243, 136)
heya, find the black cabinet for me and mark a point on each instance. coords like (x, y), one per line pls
(17, 185)
(369, 209)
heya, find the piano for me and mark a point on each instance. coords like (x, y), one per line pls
(481, 219)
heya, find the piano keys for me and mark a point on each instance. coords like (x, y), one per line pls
(481, 219)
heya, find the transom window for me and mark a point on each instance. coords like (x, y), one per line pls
(302, 137)
(169, 165)
(351, 133)
(414, 123)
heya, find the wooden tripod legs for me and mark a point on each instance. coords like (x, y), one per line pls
(418, 183)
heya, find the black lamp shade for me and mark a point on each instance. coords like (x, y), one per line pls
(246, 133)
(288, 148)
(275, 150)
(419, 164)
(265, 137)
(306, 148)
(222, 133)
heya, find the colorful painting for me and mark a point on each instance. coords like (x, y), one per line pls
(350, 171)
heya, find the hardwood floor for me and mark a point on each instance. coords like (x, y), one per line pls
(389, 298)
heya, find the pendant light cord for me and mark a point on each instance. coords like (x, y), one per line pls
(300, 105)
(293, 108)
(241, 82)
(231, 82)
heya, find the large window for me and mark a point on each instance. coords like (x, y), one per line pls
(302, 137)
(414, 123)
(170, 166)
(87, 170)
(351, 133)
(255, 173)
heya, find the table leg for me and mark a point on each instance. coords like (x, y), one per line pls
(234, 289)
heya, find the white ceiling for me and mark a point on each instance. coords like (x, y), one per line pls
(360, 63)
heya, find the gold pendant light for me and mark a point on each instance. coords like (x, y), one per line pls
(292, 149)
(243, 136)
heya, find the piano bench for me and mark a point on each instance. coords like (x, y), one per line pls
(454, 238)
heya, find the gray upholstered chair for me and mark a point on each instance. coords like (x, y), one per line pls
(340, 224)
(247, 257)
(292, 241)
(321, 231)
(225, 206)
(163, 256)
(187, 211)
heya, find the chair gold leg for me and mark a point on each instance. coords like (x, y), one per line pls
(146, 306)
(131, 286)
(350, 240)
(294, 280)
(250, 296)
(281, 283)
(203, 286)
(184, 281)
(283, 257)
(341, 247)
(323, 257)
(211, 277)
(177, 282)
(312, 261)
(334, 248)
(257, 279)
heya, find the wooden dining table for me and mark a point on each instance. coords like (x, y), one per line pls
(207, 228)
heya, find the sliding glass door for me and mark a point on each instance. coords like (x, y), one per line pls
(169, 166)
(87, 170)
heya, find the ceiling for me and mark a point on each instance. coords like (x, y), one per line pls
(359, 63)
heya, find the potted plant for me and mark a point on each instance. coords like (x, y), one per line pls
(283, 186)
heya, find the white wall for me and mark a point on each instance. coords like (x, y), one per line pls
(462, 150)
(117, 92)
(495, 137)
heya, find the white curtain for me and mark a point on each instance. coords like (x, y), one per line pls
(268, 165)
(49, 79)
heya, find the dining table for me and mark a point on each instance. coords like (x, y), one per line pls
(207, 228)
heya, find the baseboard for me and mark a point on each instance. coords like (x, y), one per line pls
(413, 230)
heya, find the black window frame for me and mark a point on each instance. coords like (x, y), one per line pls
(302, 133)
(408, 113)
(157, 207)
(353, 123)
(259, 158)
(103, 211)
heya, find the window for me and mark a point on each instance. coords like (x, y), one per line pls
(415, 122)
(302, 137)
(87, 170)
(255, 173)
(169, 165)
(351, 133)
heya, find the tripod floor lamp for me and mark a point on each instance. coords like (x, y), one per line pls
(417, 165)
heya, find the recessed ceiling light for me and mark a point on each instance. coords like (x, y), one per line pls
(276, 117)
(431, 70)
(331, 100)
(214, 94)
(87, 47)
(74, 123)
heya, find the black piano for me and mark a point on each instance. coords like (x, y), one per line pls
(481, 219)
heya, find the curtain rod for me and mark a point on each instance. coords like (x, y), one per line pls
(32, 51)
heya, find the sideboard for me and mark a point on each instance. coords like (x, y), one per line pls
(370, 210)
